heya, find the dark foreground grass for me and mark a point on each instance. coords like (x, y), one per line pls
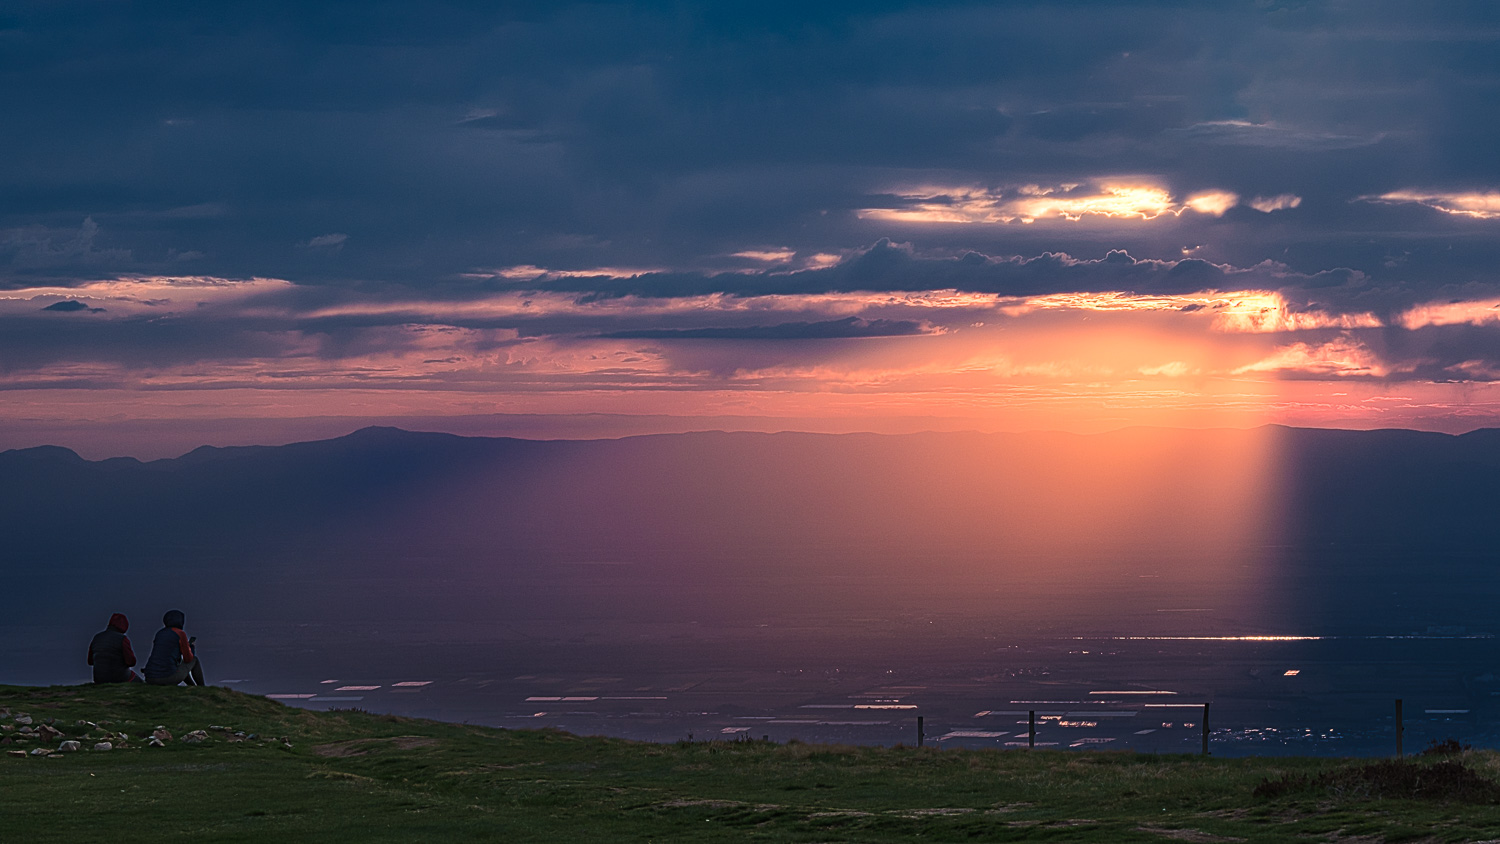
(360, 777)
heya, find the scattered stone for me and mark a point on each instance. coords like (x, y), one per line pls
(82, 723)
(40, 751)
(104, 745)
(69, 746)
(26, 731)
(23, 719)
(218, 728)
(20, 753)
(253, 736)
(7, 740)
(9, 728)
(49, 733)
(240, 733)
(155, 742)
(161, 734)
(124, 737)
(195, 736)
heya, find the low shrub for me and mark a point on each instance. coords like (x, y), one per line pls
(1447, 781)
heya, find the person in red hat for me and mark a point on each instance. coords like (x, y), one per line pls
(110, 653)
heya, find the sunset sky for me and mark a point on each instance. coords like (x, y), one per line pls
(258, 222)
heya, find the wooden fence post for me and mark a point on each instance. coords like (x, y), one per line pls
(1400, 728)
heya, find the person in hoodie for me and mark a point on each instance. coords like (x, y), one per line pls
(110, 653)
(172, 659)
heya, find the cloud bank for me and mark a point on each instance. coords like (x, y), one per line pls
(954, 206)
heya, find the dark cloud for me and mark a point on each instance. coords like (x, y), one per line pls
(399, 164)
(836, 329)
(893, 267)
(440, 138)
(71, 306)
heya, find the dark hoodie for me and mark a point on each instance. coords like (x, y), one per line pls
(110, 652)
(169, 648)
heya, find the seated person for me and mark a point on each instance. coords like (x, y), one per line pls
(172, 659)
(110, 653)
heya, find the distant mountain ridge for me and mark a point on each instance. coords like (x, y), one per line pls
(386, 436)
(1388, 488)
(1272, 529)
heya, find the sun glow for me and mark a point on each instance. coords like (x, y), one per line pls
(1081, 361)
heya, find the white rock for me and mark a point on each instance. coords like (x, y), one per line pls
(195, 736)
(104, 745)
(40, 751)
(23, 720)
(155, 742)
(69, 746)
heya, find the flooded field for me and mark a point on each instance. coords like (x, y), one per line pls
(668, 652)
(1260, 695)
(1318, 696)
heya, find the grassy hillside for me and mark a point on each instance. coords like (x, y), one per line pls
(360, 777)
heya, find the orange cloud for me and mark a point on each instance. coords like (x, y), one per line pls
(1235, 312)
(145, 294)
(1259, 312)
(1213, 202)
(1479, 312)
(1071, 360)
(1477, 204)
(770, 256)
(531, 272)
(1342, 357)
(1029, 203)
(1267, 204)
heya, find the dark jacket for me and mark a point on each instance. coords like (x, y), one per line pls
(169, 648)
(110, 652)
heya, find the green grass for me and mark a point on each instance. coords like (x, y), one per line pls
(360, 777)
